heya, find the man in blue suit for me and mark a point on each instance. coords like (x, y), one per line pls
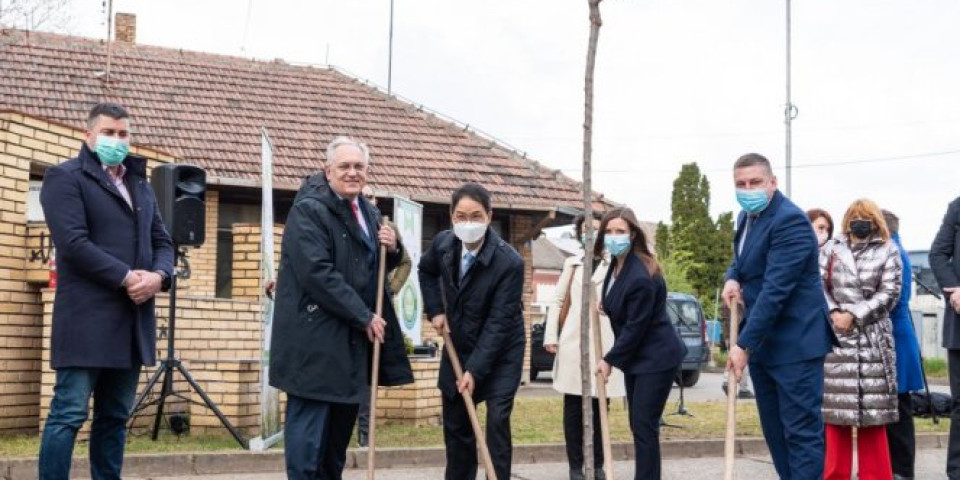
(785, 333)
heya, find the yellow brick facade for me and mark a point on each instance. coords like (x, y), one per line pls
(217, 339)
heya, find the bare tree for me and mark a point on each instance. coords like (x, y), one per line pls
(589, 302)
(49, 15)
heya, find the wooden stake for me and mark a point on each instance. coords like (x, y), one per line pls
(471, 408)
(375, 375)
(602, 394)
(729, 451)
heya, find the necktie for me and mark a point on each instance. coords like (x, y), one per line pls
(746, 231)
(356, 215)
(466, 263)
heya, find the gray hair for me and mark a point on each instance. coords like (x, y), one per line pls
(752, 160)
(344, 140)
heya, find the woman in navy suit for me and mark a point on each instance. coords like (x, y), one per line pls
(647, 347)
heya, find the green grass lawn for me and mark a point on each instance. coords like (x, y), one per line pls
(935, 367)
(534, 420)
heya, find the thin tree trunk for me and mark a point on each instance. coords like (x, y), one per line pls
(586, 368)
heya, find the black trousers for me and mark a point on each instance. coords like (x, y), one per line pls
(316, 436)
(900, 437)
(647, 395)
(953, 447)
(461, 444)
(573, 432)
(363, 415)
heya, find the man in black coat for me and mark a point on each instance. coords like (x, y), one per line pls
(325, 319)
(945, 262)
(472, 284)
(113, 256)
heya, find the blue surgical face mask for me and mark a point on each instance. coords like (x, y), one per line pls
(111, 150)
(753, 201)
(616, 244)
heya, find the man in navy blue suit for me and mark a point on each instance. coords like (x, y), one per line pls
(785, 333)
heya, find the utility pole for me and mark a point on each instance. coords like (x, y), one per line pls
(390, 54)
(789, 112)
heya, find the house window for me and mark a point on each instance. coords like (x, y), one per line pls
(229, 214)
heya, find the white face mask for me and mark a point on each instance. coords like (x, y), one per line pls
(469, 232)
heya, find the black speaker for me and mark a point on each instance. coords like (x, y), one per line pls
(181, 192)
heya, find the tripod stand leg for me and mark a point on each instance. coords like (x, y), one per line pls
(213, 407)
(146, 390)
(165, 390)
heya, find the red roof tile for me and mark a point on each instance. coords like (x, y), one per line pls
(208, 109)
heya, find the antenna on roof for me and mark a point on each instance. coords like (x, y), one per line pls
(109, 38)
(246, 28)
(390, 54)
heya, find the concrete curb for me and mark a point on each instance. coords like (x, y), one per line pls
(185, 464)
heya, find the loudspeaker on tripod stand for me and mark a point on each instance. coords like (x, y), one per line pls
(181, 192)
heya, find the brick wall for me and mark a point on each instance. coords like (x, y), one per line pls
(209, 333)
(521, 231)
(246, 259)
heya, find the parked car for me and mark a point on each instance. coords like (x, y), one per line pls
(540, 359)
(687, 317)
(685, 314)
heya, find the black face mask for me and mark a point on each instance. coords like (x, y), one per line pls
(861, 228)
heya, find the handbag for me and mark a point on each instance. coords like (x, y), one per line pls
(565, 305)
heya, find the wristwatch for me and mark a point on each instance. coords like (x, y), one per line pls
(164, 279)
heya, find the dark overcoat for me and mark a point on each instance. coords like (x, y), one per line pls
(484, 312)
(326, 297)
(945, 262)
(99, 238)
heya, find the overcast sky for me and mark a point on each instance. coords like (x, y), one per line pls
(877, 84)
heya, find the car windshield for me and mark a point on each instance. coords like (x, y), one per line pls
(684, 315)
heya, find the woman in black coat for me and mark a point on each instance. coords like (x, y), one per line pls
(647, 347)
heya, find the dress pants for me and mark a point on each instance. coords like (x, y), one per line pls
(789, 400)
(873, 453)
(461, 444)
(363, 414)
(316, 435)
(901, 438)
(647, 395)
(953, 447)
(573, 432)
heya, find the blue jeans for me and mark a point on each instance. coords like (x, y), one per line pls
(113, 394)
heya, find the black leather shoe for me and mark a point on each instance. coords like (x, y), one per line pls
(599, 474)
(362, 439)
(576, 475)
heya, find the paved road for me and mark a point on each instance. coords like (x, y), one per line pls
(930, 465)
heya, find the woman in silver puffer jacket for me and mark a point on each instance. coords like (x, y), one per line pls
(861, 271)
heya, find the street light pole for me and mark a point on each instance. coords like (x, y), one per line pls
(789, 113)
(390, 54)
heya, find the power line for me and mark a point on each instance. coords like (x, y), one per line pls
(805, 165)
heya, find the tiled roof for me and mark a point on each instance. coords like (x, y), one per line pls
(208, 109)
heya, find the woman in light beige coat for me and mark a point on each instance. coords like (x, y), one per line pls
(566, 367)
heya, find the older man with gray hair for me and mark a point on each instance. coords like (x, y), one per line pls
(325, 320)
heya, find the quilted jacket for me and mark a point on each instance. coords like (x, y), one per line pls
(860, 384)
